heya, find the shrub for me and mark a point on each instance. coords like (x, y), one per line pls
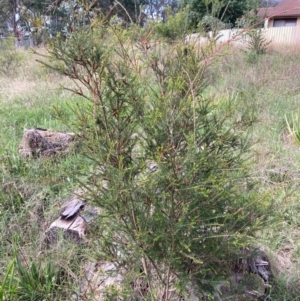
(256, 44)
(176, 25)
(170, 165)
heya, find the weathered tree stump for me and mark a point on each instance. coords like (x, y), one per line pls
(44, 143)
(73, 221)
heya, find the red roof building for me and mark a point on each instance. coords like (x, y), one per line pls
(285, 14)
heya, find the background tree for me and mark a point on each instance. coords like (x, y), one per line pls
(129, 10)
(157, 8)
(40, 6)
(8, 11)
(268, 3)
(44, 17)
(225, 10)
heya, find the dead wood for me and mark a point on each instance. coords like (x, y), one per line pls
(44, 143)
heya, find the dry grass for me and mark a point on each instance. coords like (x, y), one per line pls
(283, 49)
(31, 81)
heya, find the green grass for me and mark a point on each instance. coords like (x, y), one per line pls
(32, 190)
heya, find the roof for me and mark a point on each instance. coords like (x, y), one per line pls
(285, 8)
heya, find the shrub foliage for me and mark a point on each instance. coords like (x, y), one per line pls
(170, 172)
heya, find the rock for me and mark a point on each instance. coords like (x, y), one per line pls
(40, 142)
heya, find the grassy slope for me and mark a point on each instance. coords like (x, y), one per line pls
(32, 191)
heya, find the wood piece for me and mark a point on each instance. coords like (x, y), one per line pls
(36, 142)
(72, 208)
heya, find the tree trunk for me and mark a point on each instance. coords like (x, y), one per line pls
(14, 18)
